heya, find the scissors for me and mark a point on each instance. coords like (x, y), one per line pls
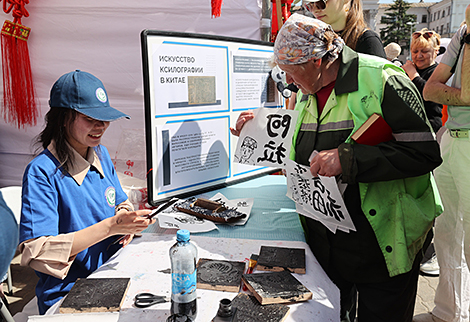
(148, 299)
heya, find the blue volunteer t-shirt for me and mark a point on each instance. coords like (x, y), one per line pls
(54, 203)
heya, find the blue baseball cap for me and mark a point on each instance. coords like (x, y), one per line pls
(84, 93)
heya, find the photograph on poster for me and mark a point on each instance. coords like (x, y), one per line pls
(189, 78)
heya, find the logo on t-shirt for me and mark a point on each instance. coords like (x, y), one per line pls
(110, 195)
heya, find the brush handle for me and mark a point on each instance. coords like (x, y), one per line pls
(248, 271)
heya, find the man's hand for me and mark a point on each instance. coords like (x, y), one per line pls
(326, 163)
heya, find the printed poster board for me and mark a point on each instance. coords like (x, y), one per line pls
(195, 86)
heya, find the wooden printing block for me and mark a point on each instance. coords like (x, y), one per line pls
(276, 287)
(276, 259)
(210, 210)
(95, 295)
(250, 310)
(219, 275)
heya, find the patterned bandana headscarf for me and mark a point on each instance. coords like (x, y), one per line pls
(302, 39)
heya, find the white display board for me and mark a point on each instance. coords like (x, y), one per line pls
(195, 86)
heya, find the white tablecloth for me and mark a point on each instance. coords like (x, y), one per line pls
(146, 261)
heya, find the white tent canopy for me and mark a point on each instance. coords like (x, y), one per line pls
(103, 37)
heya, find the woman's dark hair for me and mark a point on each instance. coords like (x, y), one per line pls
(58, 119)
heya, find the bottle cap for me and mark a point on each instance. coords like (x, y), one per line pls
(182, 235)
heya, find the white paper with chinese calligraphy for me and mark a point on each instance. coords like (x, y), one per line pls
(179, 220)
(266, 140)
(317, 197)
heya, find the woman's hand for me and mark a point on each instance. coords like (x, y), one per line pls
(123, 223)
(326, 163)
(126, 240)
(130, 222)
(410, 69)
(242, 119)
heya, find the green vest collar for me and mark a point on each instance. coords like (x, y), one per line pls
(347, 80)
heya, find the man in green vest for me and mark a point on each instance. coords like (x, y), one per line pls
(391, 196)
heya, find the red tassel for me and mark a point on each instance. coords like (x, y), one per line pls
(20, 105)
(19, 99)
(216, 8)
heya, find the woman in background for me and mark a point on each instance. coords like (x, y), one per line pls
(424, 48)
(347, 20)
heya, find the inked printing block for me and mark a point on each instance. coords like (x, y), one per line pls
(277, 259)
(219, 275)
(276, 287)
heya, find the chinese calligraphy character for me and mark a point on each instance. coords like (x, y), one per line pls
(328, 207)
(272, 151)
(275, 122)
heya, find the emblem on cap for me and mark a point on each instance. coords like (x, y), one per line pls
(101, 95)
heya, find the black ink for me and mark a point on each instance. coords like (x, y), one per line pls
(271, 151)
(275, 122)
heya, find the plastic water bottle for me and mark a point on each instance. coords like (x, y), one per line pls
(183, 256)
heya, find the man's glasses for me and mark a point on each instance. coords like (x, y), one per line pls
(320, 4)
(425, 34)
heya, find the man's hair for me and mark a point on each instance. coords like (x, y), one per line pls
(249, 142)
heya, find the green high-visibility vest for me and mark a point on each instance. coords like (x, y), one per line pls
(400, 212)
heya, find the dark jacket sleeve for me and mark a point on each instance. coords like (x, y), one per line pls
(369, 43)
(415, 152)
(433, 110)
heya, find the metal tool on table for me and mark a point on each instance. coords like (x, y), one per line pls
(154, 212)
(161, 208)
(148, 299)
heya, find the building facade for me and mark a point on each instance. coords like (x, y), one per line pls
(446, 17)
(419, 9)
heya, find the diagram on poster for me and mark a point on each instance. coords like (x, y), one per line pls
(193, 149)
